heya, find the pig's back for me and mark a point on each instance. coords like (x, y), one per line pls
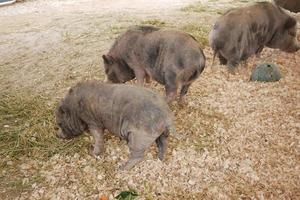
(246, 27)
(240, 18)
(141, 106)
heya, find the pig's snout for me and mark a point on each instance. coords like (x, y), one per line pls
(293, 47)
(60, 134)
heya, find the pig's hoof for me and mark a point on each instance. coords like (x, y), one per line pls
(95, 152)
(169, 100)
(130, 164)
(231, 71)
(182, 102)
(160, 157)
(124, 167)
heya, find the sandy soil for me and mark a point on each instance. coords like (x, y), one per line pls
(235, 139)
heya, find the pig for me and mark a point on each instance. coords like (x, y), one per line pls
(243, 32)
(291, 5)
(170, 57)
(132, 113)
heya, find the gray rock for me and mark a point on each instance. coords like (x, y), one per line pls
(266, 72)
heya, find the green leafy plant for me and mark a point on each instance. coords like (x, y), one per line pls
(127, 195)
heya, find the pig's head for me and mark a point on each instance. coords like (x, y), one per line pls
(70, 125)
(285, 37)
(117, 70)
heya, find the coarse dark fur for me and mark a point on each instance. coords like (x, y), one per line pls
(170, 57)
(243, 32)
(291, 5)
(135, 114)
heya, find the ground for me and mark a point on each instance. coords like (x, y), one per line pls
(235, 139)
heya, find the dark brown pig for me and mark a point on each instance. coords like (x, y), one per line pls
(135, 114)
(170, 57)
(291, 5)
(243, 32)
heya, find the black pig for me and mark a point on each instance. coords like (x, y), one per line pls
(243, 32)
(170, 57)
(135, 114)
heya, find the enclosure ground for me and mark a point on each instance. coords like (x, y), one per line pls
(235, 139)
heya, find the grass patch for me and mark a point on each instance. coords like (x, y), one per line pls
(197, 7)
(200, 32)
(114, 31)
(154, 22)
(200, 8)
(28, 128)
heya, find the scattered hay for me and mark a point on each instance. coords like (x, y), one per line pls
(28, 132)
(200, 8)
(155, 22)
(28, 128)
(197, 7)
(114, 31)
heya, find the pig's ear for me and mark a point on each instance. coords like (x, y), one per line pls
(70, 90)
(62, 108)
(108, 59)
(290, 22)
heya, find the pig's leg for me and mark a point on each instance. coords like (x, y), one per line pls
(148, 78)
(135, 157)
(140, 76)
(231, 66)
(138, 143)
(170, 86)
(183, 93)
(162, 144)
(98, 146)
(223, 60)
(171, 92)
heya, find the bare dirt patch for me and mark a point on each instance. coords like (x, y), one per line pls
(235, 138)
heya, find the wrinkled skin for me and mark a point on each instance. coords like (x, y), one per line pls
(291, 5)
(170, 57)
(243, 32)
(135, 114)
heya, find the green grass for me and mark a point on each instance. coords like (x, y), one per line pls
(28, 128)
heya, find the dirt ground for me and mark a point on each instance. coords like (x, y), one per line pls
(235, 139)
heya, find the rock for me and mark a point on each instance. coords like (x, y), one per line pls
(266, 72)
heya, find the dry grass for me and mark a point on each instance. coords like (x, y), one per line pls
(201, 8)
(155, 22)
(28, 128)
(199, 31)
(28, 132)
(214, 6)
